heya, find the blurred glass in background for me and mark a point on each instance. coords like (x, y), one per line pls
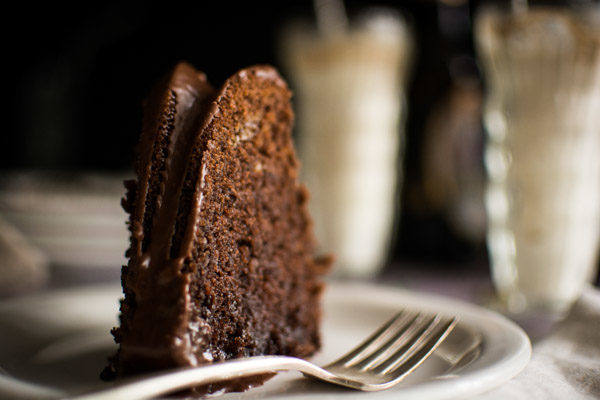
(349, 84)
(542, 118)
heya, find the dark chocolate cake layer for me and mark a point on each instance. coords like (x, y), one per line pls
(221, 261)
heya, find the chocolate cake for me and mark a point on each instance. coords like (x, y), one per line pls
(221, 261)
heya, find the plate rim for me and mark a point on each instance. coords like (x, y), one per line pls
(471, 380)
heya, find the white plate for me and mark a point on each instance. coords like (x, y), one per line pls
(61, 340)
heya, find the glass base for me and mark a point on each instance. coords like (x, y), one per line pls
(518, 303)
(537, 318)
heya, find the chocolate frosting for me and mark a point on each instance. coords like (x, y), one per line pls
(173, 112)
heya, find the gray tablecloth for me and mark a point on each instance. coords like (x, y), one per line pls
(566, 363)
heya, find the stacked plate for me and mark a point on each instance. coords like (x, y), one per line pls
(75, 220)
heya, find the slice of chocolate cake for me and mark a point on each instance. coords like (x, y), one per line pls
(221, 261)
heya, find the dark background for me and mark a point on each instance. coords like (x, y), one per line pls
(80, 71)
(78, 74)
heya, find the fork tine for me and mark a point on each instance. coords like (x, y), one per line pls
(404, 360)
(396, 322)
(400, 342)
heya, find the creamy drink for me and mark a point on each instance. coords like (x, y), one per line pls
(542, 116)
(350, 100)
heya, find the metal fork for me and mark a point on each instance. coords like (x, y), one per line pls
(380, 362)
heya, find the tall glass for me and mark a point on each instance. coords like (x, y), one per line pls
(542, 116)
(349, 93)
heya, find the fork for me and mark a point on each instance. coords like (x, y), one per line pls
(383, 360)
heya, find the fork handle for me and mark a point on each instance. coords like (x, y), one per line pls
(151, 386)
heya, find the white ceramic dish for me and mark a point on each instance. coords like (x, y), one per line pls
(60, 342)
(76, 220)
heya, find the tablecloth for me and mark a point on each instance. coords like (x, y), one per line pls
(566, 363)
